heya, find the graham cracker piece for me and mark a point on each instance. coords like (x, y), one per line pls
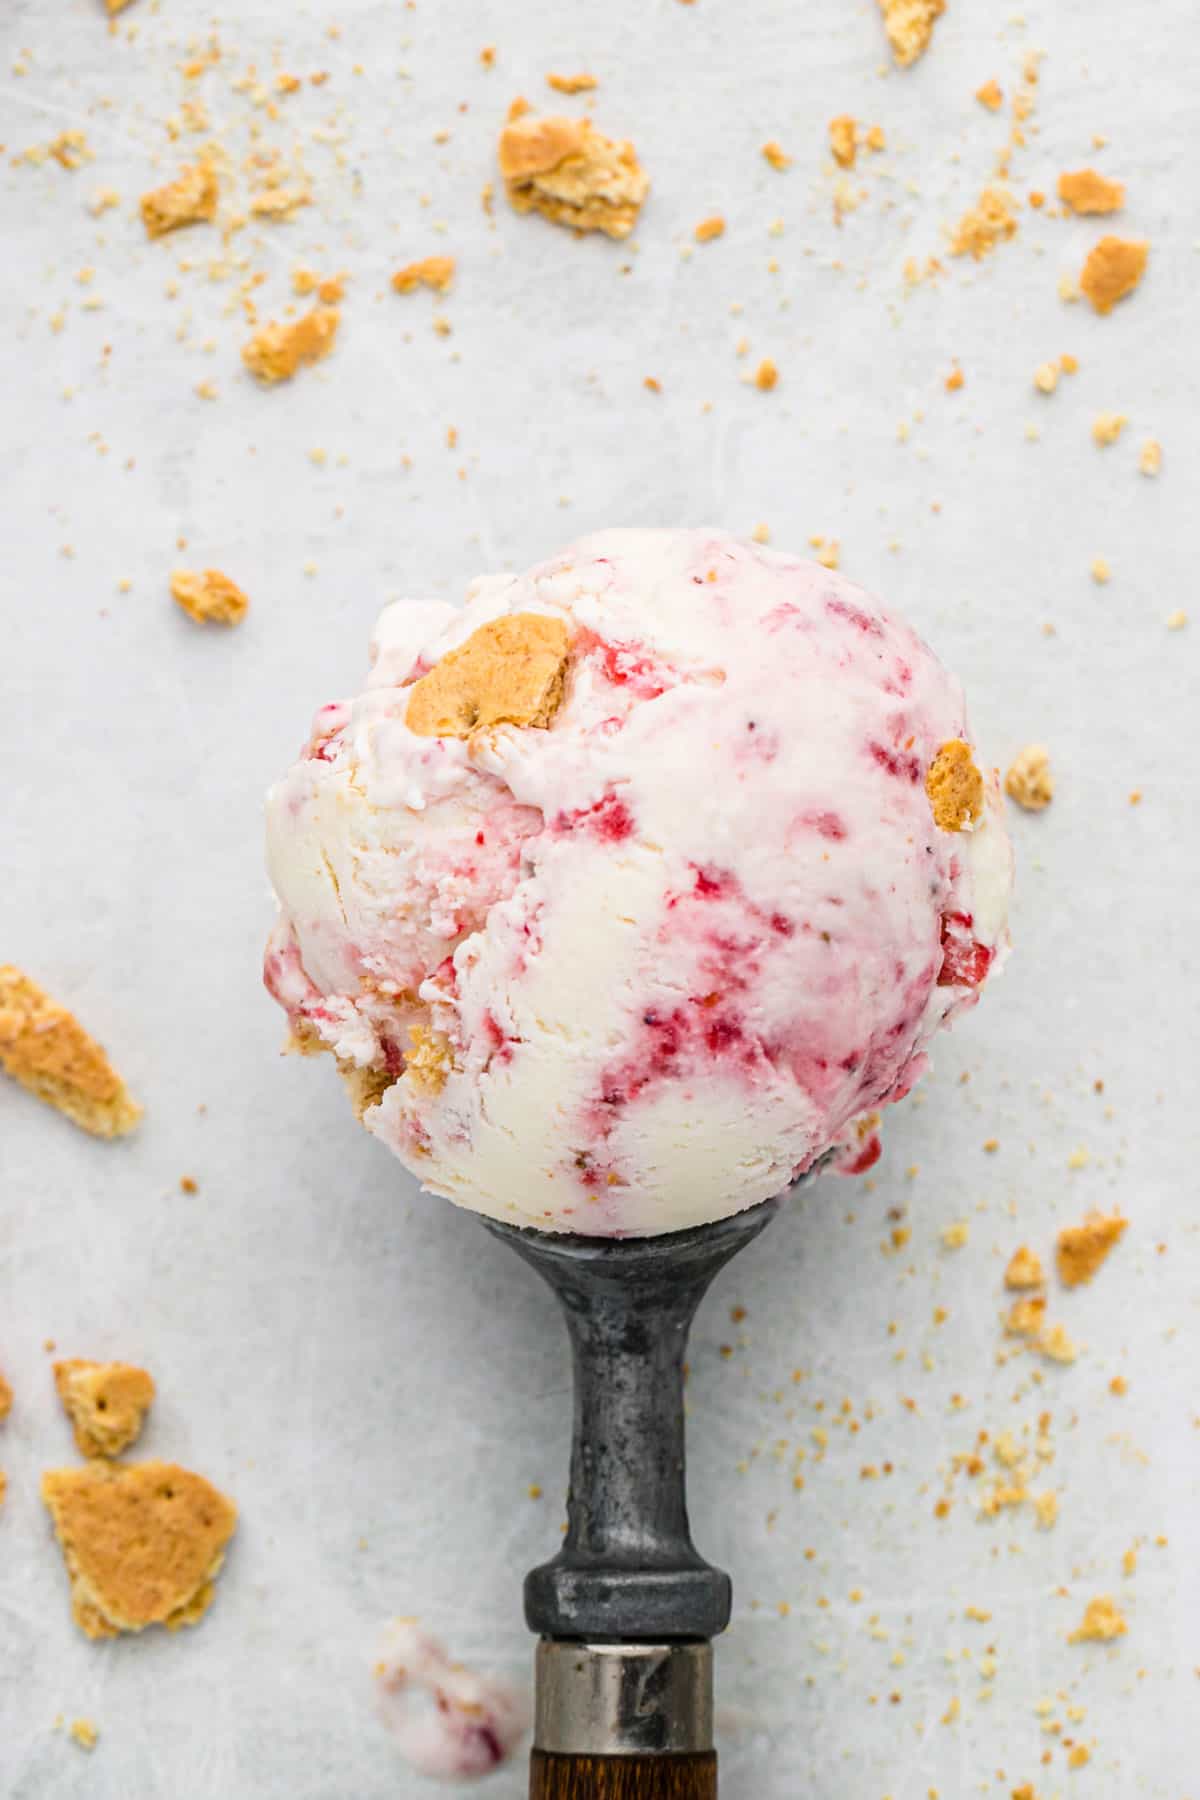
(985, 225)
(1102, 1621)
(429, 1060)
(955, 787)
(106, 1403)
(46, 1049)
(366, 1087)
(277, 350)
(510, 672)
(1025, 1316)
(210, 598)
(583, 83)
(143, 1543)
(1084, 191)
(3, 1486)
(1029, 781)
(189, 200)
(1081, 1249)
(1114, 267)
(1024, 1269)
(909, 26)
(572, 174)
(436, 272)
(843, 140)
(84, 1732)
(6, 1397)
(991, 95)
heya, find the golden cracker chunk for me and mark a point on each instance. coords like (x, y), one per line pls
(572, 174)
(1029, 781)
(276, 351)
(46, 1049)
(1081, 1249)
(1025, 1316)
(510, 672)
(1114, 267)
(988, 223)
(143, 1542)
(843, 140)
(106, 1403)
(436, 272)
(1024, 1269)
(1102, 1621)
(210, 598)
(909, 26)
(429, 1059)
(1084, 191)
(955, 787)
(190, 200)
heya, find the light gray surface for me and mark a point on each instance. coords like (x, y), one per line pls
(373, 1378)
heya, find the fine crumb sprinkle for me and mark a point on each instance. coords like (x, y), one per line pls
(1024, 1269)
(45, 1048)
(435, 272)
(766, 376)
(843, 140)
(710, 228)
(1100, 570)
(1029, 781)
(1102, 1621)
(190, 200)
(988, 223)
(277, 350)
(909, 26)
(1107, 427)
(84, 1732)
(583, 83)
(1113, 269)
(991, 95)
(1045, 377)
(1080, 1249)
(1150, 457)
(776, 155)
(1084, 191)
(573, 175)
(955, 787)
(209, 598)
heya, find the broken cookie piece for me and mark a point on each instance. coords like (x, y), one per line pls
(45, 1048)
(143, 1543)
(955, 787)
(276, 351)
(573, 175)
(909, 26)
(106, 1403)
(509, 672)
(210, 598)
(1080, 1249)
(190, 200)
(1113, 269)
(1029, 781)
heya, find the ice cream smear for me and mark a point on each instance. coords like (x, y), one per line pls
(630, 891)
(449, 1722)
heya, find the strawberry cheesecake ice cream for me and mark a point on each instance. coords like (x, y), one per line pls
(630, 891)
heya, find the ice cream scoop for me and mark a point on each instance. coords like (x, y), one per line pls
(627, 892)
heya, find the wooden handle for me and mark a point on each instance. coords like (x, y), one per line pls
(623, 1777)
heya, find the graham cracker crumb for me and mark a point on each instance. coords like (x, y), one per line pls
(1176, 620)
(210, 598)
(1025, 1316)
(1100, 570)
(1046, 1507)
(955, 1235)
(1029, 781)
(280, 202)
(954, 380)
(955, 787)
(1084, 191)
(1150, 457)
(909, 26)
(189, 200)
(875, 139)
(572, 84)
(843, 140)
(766, 376)
(276, 351)
(487, 56)
(3, 1486)
(1024, 1269)
(1107, 427)
(710, 228)
(512, 671)
(1101, 1623)
(776, 155)
(428, 1060)
(106, 1403)
(143, 1543)
(989, 222)
(1054, 1343)
(761, 533)
(84, 1731)
(69, 149)
(1081, 1249)
(1068, 364)
(436, 272)
(6, 1397)
(1045, 377)
(45, 1048)
(991, 95)
(826, 551)
(1113, 269)
(573, 175)
(1078, 1755)
(1118, 1385)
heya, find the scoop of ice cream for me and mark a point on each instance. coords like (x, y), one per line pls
(627, 893)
